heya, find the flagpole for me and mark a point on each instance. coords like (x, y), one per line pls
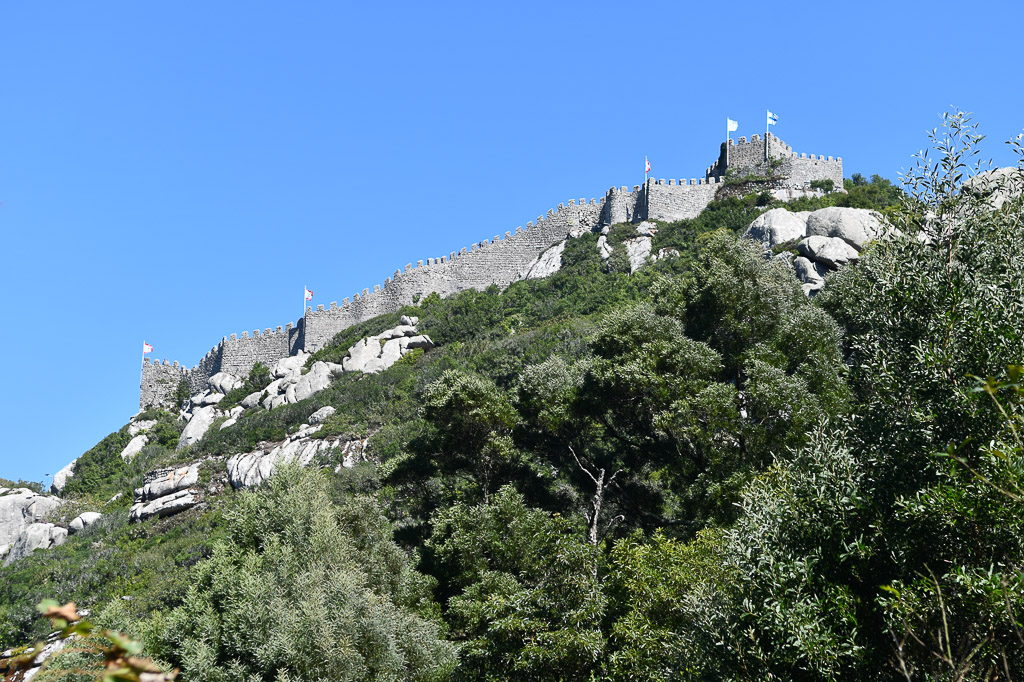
(727, 143)
(766, 124)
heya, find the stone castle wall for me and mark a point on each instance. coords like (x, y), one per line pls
(795, 170)
(498, 261)
(159, 381)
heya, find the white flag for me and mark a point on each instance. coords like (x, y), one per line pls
(309, 294)
(647, 165)
(772, 119)
(731, 125)
(146, 348)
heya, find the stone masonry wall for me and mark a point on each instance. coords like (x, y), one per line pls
(671, 201)
(159, 381)
(498, 261)
(796, 170)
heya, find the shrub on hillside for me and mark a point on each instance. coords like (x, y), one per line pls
(304, 589)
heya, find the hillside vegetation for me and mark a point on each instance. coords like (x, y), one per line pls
(691, 472)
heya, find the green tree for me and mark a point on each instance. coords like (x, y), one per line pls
(525, 605)
(307, 589)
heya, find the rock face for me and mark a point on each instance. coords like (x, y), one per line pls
(548, 263)
(35, 536)
(855, 226)
(829, 238)
(639, 250)
(20, 508)
(166, 492)
(134, 447)
(198, 425)
(137, 427)
(777, 226)
(60, 479)
(997, 186)
(254, 468)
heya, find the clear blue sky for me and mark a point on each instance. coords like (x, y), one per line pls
(175, 172)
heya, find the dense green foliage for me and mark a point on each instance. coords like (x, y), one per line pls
(691, 472)
(307, 588)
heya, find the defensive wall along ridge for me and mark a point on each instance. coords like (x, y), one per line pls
(497, 261)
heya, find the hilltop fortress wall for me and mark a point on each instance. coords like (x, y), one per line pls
(792, 170)
(499, 261)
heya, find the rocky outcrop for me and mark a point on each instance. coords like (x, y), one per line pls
(60, 479)
(137, 427)
(292, 385)
(35, 536)
(997, 186)
(829, 238)
(321, 415)
(374, 354)
(134, 447)
(639, 250)
(777, 226)
(166, 492)
(547, 263)
(198, 424)
(812, 275)
(20, 508)
(254, 468)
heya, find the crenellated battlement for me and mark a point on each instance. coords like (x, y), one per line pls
(772, 157)
(498, 260)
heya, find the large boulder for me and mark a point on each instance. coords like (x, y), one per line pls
(809, 272)
(639, 250)
(855, 226)
(35, 536)
(21, 507)
(166, 492)
(83, 521)
(224, 382)
(198, 425)
(134, 447)
(829, 251)
(251, 400)
(165, 481)
(391, 352)
(997, 186)
(360, 353)
(318, 378)
(60, 479)
(777, 226)
(167, 505)
(290, 365)
(422, 341)
(322, 415)
(135, 428)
